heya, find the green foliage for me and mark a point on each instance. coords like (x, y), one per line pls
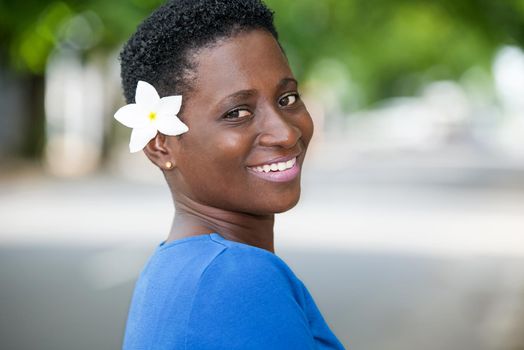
(385, 47)
(393, 47)
(30, 30)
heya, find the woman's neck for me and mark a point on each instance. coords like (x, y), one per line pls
(192, 218)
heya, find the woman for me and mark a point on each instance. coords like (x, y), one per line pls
(215, 282)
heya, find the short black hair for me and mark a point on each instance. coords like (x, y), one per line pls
(159, 52)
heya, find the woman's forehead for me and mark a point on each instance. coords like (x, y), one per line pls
(247, 61)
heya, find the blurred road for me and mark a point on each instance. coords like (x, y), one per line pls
(414, 264)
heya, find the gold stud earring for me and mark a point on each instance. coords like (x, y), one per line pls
(169, 165)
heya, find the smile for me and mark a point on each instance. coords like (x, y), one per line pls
(277, 172)
(280, 166)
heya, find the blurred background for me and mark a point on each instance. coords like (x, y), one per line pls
(410, 229)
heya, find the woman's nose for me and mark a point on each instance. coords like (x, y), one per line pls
(278, 130)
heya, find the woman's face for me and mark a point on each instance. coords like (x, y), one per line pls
(244, 117)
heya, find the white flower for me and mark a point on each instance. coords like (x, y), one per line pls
(149, 115)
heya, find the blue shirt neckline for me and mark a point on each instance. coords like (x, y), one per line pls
(164, 244)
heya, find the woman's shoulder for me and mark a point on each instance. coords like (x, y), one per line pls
(254, 297)
(216, 263)
(244, 273)
(249, 265)
(197, 254)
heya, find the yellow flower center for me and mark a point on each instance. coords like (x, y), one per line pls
(152, 116)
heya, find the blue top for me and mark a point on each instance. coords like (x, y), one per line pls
(206, 292)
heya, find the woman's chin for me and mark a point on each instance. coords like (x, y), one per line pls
(283, 205)
(288, 207)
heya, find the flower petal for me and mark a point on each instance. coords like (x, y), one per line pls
(170, 125)
(140, 137)
(169, 105)
(132, 116)
(146, 95)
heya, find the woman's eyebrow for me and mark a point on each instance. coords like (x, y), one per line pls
(286, 81)
(240, 95)
(234, 97)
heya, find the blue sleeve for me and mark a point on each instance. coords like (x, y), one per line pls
(247, 301)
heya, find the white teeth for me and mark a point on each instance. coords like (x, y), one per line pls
(280, 166)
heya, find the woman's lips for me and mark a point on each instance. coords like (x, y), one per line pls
(277, 172)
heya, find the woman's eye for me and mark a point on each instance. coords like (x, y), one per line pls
(237, 114)
(288, 100)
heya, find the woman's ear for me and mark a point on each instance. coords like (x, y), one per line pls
(160, 152)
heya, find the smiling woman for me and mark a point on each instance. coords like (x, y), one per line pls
(216, 282)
